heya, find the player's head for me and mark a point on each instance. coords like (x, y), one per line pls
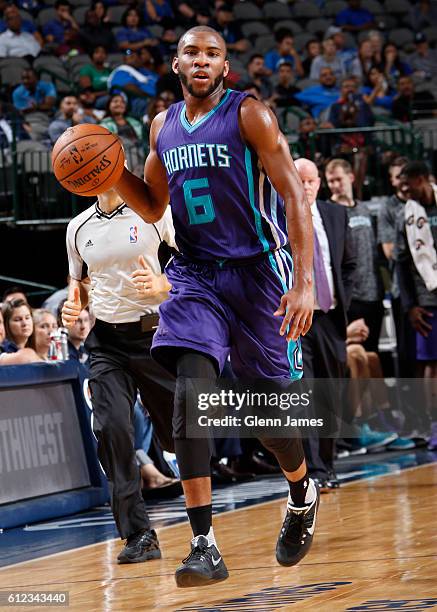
(415, 175)
(201, 62)
(309, 175)
(339, 177)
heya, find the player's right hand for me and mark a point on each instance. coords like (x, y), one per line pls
(71, 309)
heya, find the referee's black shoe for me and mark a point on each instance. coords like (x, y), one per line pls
(297, 531)
(204, 565)
(140, 546)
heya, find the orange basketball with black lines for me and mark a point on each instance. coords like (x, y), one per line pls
(88, 159)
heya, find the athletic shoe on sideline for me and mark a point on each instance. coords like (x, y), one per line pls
(140, 546)
(296, 535)
(401, 444)
(375, 439)
(432, 444)
(203, 566)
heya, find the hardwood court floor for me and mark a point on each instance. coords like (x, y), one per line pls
(376, 540)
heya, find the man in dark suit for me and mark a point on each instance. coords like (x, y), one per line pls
(324, 346)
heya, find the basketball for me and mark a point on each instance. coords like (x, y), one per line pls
(88, 159)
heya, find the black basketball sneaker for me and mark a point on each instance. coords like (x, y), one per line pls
(297, 531)
(204, 565)
(140, 546)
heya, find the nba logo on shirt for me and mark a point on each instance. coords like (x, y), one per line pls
(133, 234)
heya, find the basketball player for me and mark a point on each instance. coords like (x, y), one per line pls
(222, 161)
(113, 263)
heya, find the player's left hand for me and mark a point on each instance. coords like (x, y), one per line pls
(146, 282)
(297, 308)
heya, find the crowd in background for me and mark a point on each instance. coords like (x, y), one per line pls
(340, 71)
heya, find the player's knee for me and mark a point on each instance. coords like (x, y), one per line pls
(288, 451)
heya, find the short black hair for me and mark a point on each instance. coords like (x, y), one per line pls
(126, 13)
(10, 290)
(414, 169)
(255, 56)
(283, 33)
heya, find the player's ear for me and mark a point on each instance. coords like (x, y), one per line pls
(175, 65)
(226, 69)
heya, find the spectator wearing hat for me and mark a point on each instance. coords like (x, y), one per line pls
(226, 25)
(284, 52)
(355, 18)
(330, 58)
(424, 60)
(15, 41)
(423, 15)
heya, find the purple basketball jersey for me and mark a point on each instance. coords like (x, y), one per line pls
(223, 204)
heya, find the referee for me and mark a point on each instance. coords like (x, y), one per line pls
(113, 258)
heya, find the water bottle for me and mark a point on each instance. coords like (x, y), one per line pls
(55, 353)
(63, 332)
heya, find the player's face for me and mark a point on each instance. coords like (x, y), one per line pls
(339, 181)
(201, 63)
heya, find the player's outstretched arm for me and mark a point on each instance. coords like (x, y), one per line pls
(260, 130)
(148, 197)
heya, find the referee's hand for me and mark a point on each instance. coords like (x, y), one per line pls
(71, 309)
(146, 282)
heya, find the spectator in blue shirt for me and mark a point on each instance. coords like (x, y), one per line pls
(11, 12)
(284, 52)
(355, 18)
(134, 35)
(392, 66)
(320, 97)
(378, 93)
(33, 95)
(132, 79)
(160, 12)
(62, 32)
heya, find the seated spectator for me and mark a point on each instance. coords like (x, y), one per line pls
(156, 106)
(13, 293)
(160, 12)
(117, 120)
(12, 122)
(134, 35)
(15, 41)
(310, 144)
(69, 114)
(102, 13)
(36, 100)
(190, 13)
(347, 54)
(410, 104)
(257, 73)
(379, 92)
(377, 41)
(313, 49)
(26, 25)
(2, 332)
(95, 76)
(423, 15)
(18, 322)
(62, 33)
(77, 334)
(284, 52)
(285, 91)
(320, 97)
(424, 60)
(38, 345)
(95, 33)
(226, 25)
(392, 66)
(329, 58)
(355, 18)
(362, 64)
(137, 82)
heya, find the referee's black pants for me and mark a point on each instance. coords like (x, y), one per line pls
(324, 356)
(120, 364)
